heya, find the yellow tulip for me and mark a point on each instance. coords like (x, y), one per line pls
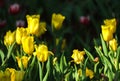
(42, 52)
(28, 44)
(89, 73)
(12, 72)
(23, 61)
(57, 20)
(79, 72)
(111, 23)
(106, 32)
(33, 24)
(42, 29)
(55, 60)
(113, 44)
(9, 38)
(20, 32)
(57, 41)
(78, 56)
(19, 75)
(15, 75)
(5, 76)
(63, 44)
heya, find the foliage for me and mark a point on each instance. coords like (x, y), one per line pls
(60, 40)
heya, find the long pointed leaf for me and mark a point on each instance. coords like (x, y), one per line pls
(104, 46)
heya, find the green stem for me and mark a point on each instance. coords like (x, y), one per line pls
(40, 71)
(9, 53)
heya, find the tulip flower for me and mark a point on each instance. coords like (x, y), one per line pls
(63, 45)
(42, 52)
(14, 8)
(5, 76)
(33, 24)
(42, 29)
(106, 32)
(23, 61)
(89, 73)
(78, 56)
(15, 75)
(9, 38)
(20, 32)
(85, 20)
(57, 20)
(111, 23)
(28, 44)
(113, 44)
(3, 23)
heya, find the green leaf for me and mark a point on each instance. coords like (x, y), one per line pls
(40, 71)
(2, 55)
(63, 63)
(104, 46)
(110, 75)
(84, 69)
(48, 70)
(91, 58)
(95, 67)
(8, 54)
(104, 60)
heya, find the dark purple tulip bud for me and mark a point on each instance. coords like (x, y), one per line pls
(2, 24)
(85, 20)
(14, 8)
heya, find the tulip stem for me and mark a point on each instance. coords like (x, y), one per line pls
(9, 53)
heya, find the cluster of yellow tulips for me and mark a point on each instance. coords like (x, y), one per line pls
(32, 56)
(25, 39)
(108, 31)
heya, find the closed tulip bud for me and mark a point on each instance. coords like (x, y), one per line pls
(42, 52)
(57, 21)
(14, 8)
(33, 24)
(28, 44)
(78, 56)
(106, 32)
(85, 20)
(113, 44)
(20, 32)
(2, 24)
(9, 38)
(112, 23)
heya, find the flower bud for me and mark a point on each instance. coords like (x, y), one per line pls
(113, 44)
(106, 32)
(2, 24)
(9, 38)
(85, 20)
(28, 44)
(14, 8)
(57, 20)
